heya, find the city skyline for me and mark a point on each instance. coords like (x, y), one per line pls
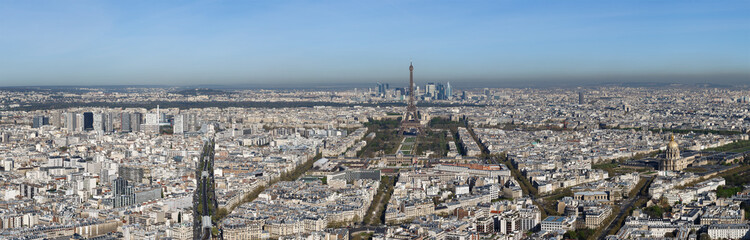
(374, 120)
(271, 44)
(499, 163)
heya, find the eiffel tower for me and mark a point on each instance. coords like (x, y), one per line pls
(410, 125)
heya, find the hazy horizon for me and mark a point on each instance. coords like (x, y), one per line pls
(314, 44)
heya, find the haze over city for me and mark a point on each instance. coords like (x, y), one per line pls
(304, 43)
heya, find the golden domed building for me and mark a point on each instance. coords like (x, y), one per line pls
(672, 160)
(673, 149)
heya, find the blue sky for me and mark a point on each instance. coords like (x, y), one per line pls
(295, 42)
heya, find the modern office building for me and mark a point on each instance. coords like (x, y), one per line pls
(152, 119)
(109, 122)
(70, 121)
(179, 125)
(383, 89)
(88, 121)
(580, 98)
(448, 91)
(79, 122)
(125, 125)
(430, 91)
(39, 121)
(98, 123)
(136, 119)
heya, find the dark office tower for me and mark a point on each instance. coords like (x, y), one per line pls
(383, 89)
(440, 88)
(125, 122)
(400, 91)
(40, 121)
(88, 121)
(135, 122)
(580, 97)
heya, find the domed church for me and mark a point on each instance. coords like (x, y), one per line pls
(672, 160)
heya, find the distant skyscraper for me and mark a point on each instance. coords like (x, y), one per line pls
(70, 121)
(135, 122)
(125, 122)
(179, 124)
(57, 119)
(153, 122)
(98, 123)
(39, 121)
(382, 87)
(158, 115)
(580, 98)
(440, 92)
(430, 90)
(109, 119)
(152, 119)
(88, 121)
(448, 91)
(79, 122)
(400, 92)
(192, 122)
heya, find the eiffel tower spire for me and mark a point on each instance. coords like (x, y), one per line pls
(410, 123)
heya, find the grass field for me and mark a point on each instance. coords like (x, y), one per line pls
(614, 168)
(386, 141)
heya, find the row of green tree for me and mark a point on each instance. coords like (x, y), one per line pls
(735, 146)
(289, 176)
